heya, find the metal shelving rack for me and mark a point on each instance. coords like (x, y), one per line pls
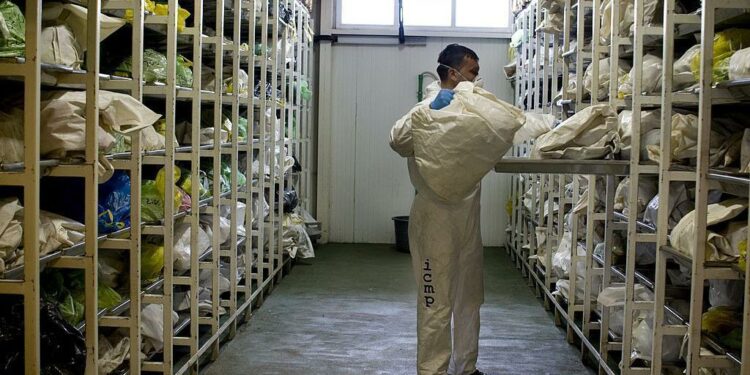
(532, 191)
(221, 36)
(705, 24)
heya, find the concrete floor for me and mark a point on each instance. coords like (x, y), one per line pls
(352, 310)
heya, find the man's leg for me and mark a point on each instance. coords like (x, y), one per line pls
(469, 297)
(433, 269)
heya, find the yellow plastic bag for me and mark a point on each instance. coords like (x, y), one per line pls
(726, 43)
(743, 254)
(160, 185)
(152, 260)
(161, 10)
(721, 320)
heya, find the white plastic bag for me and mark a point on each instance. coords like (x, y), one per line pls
(739, 64)
(729, 293)
(682, 75)
(456, 147)
(589, 134)
(651, 77)
(152, 328)
(112, 356)
(296, 241)
(183, 246)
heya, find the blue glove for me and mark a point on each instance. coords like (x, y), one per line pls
(442, 99)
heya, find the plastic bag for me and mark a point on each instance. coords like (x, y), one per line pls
(107, 297)
(739, 64)
(184, 73)
(651, 77)
(183, 246)
(296, 242)
(727, 293)
(161, 184)
(161, 10)
(12, 30)
(152, 260)
(114, 203)
(154, 67)
(152, 202)
(305, 91)
(59, 47)
(721, 320)
(291, 200)
(63, 347)
(682, 75)
(152, 327)
(726, 43)
(112, 356)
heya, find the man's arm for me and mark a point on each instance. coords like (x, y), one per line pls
(400, 137)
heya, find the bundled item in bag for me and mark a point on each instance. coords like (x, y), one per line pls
(160, 9)
(152, 258)
(155, 69)
(723, 322)
(602, 91)
(12, 30)
(650, 79)
(718, 246)
(650, 123)
(296, 242)
(725, 44)
(60, 47)
(114, 203)
(739, 64)
(487, 126)
(589, 134)
(63, 122)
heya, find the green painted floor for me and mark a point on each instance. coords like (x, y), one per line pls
(352, 310)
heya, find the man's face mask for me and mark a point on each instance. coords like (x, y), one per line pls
(477, 81)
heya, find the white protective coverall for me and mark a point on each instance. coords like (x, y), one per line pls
(449, 151)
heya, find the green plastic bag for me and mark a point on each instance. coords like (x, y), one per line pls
(152, 202)
(154, 67)
(184, 73)
(242, 129)
(305, 90)
(108, 297)
(733, 340)
(72, 311)
(152, 260)
(12, 30)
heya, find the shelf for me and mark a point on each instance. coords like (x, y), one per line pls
(641, 225)
(558, 166)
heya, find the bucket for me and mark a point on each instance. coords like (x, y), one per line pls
(402, 233)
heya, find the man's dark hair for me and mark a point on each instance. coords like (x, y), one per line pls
(453, 55)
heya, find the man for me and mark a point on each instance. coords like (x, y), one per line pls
(445, 243)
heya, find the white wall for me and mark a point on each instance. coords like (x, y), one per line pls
(366, 182)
